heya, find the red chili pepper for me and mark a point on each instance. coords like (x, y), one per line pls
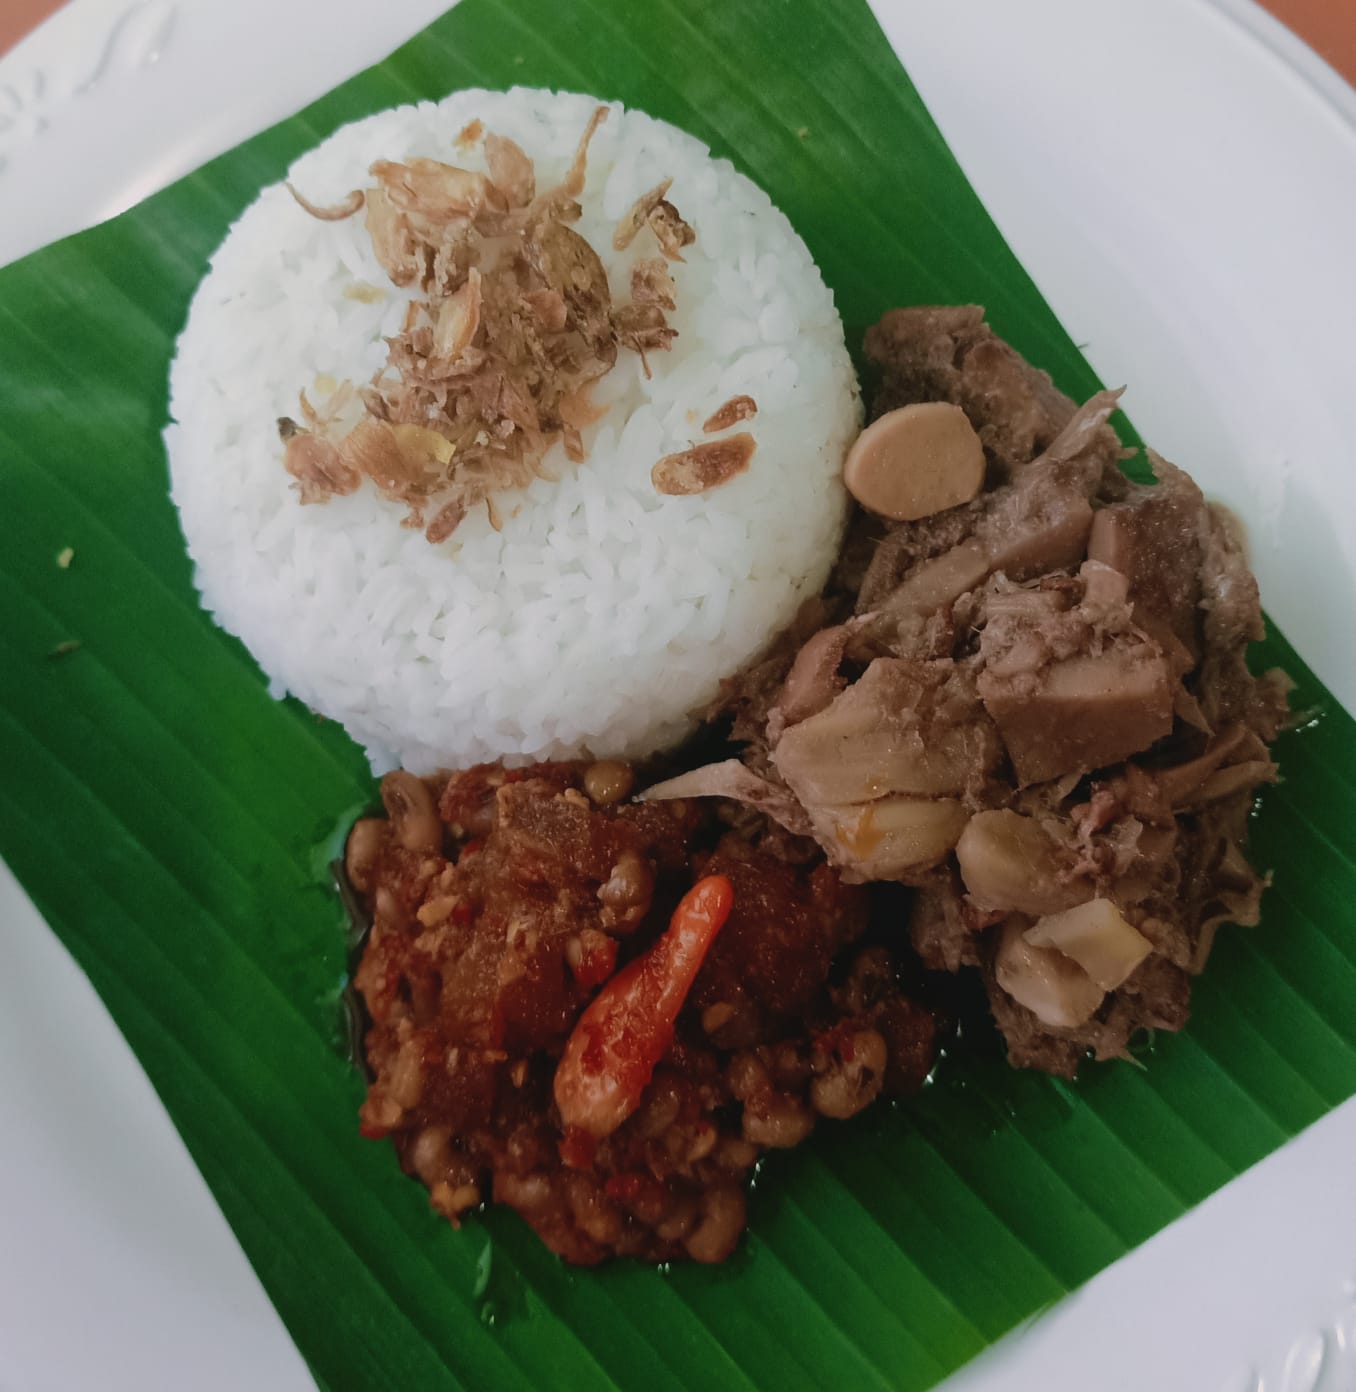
(628, 1027)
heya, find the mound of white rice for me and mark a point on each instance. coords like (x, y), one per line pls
(603, 615)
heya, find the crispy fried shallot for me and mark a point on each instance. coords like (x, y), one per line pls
(513, 320)
(393, 240)
(639, 214)
(315, 464)
(704, 466)
(573, 183)
(510, 170)
(642, 328)
(435, 191)
(653, 210)
(336, 212)
(651, 283)
(673, 233)
(736, 409)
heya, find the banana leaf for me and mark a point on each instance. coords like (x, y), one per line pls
(173, 823)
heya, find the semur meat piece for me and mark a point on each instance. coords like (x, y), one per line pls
(948, 353)
(1042, 704)
(1072, 686)
(1153, 538)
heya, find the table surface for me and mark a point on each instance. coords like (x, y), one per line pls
(1328, 26)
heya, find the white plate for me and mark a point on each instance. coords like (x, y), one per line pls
(1180, 178)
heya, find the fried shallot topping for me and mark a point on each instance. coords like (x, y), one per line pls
(337, 212)
(315, 464)
(736, 409)
(672, 232)
(651, 283)
(653, 210)
(638, 215)
(704, 466)
(514, 320)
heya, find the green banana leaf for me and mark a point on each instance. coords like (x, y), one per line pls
(173, 823)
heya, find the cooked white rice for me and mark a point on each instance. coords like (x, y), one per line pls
(603, 615)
